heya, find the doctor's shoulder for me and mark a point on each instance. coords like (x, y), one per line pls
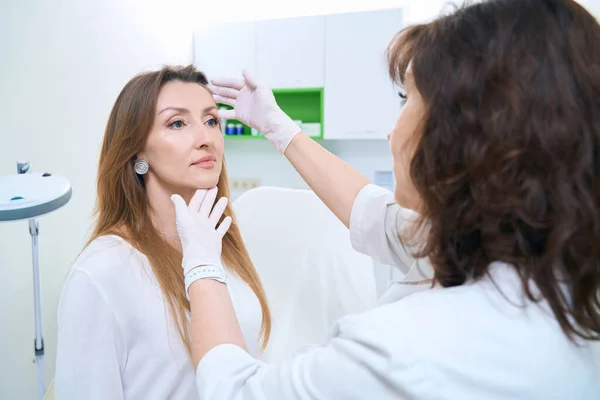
(476, 332)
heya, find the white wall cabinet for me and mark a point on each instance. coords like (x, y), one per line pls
(225, 49)
(343, 53)
(290, 52)
(360, 100)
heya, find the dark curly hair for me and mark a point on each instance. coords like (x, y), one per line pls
(507, 162)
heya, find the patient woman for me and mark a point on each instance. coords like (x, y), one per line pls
(123, 314)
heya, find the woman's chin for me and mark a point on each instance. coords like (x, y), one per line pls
(204, 184)
(206, 180)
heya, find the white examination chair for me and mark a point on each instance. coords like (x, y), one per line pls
(310, 272)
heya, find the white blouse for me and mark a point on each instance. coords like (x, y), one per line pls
(116, 338)
(477, 341)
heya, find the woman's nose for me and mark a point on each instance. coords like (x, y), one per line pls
(203, 137)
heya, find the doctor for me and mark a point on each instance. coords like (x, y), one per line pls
(498, 150)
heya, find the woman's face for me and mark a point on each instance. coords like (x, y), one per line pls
(185, 145)
(403, 139)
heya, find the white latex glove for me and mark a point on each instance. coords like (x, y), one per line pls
(201, 239)
(254, 105)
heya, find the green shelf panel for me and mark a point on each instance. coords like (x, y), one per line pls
(305, 104)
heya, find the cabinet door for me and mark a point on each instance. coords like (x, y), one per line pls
(360, 99)
(225, 49)
(289, 52)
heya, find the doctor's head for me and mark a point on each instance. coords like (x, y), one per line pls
(498, 146)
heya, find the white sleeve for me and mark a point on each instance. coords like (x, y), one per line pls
(91, 351)
(353, 365)
(375, 223)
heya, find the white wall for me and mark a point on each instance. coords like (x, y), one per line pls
(593, 6)
(257, 159)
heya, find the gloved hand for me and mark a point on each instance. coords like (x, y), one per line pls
(201, 239)
(254, 105)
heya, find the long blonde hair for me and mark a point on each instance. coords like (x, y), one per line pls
(123, 209)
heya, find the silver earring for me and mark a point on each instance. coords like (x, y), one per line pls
(141, 167)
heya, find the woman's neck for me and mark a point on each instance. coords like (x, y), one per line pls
(162, 210)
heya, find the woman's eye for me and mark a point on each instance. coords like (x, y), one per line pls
(177, 124)
(213, 122)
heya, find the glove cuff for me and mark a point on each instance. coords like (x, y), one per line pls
(215, 272)
(284, 129)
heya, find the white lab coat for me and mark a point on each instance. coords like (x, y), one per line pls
(468, 343)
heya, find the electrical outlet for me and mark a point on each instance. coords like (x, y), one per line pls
(244, 184)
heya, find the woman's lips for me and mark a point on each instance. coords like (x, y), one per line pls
(205, 162)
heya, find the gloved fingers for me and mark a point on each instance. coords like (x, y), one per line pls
(180, 207)
(250, 81)
(225, 92)
(227, 114)
(197, 199)
(212, 88)
(224, 227)
(234, 83)
(217, 211)
(208, 202)
(224, 100)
